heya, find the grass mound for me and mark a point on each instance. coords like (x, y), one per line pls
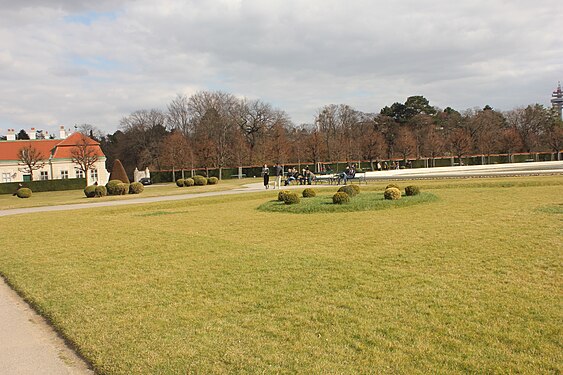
(363, 202)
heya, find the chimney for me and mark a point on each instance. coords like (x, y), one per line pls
(11, 136)
(62, 132)
(32, 134)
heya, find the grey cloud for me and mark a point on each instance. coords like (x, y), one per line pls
(297, 55)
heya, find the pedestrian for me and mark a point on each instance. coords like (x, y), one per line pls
(278, 169)
(266, 174)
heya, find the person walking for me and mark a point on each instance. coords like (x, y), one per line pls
(266, 175)
(279, 173)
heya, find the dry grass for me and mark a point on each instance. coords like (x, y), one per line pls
(469, 283)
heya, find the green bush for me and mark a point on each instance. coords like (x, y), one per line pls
(123, 188)
(113, 187)
(340, 198)
(24, 193)
(309, 193)
(90, 191)
(101, 191)
(180, 182)
(200, 180)
(356, 188)
(392, 193)
(290, 198)
(392, 186)
(412, 190)
(189, 182)
(348, 189)
(136, 188)
(212, 181)
(282, 193)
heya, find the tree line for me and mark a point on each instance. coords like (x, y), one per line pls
(218, 130)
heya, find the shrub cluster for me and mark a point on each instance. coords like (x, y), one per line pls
(101, 191)
(309, 193)
(200, 180)
(340, 198)
(23, 193)
(212, 181)
(392, 193)
(189, 182)
(136, 188)
(412, 190)
(112, 187)
(392, 186)
(290, 198)
(90, 191)
(282, 193)
(180, 182)
(348, 189)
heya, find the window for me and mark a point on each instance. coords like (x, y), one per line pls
(79, 173)
(94, 175)
(6, 177)
(64, 175)
(44, 175)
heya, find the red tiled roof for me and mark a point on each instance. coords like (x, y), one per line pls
(61, 149)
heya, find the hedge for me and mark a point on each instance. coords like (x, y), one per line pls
(44, 185)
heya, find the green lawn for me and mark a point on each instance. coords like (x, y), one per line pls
(52, 198)
(468, 283)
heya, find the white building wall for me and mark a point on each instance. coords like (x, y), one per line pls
(53, 169)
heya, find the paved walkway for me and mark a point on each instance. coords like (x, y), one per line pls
(28, 345)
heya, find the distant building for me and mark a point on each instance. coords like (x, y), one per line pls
(58, 158)
(557, 99)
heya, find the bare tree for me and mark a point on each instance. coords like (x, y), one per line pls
(405, 143)
(31, 158)
(176, 152)
(85, 155)
(460, 142)
(178, 116)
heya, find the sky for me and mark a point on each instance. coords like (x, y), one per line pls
(67, 62)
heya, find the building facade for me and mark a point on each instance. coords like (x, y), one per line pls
(56, 156)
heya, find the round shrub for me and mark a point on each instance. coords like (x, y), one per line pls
(122, 188)
(200, 180)
(136, 188)
(282, 193)
(180, 182)
(212, 181)
(392, 193)
(412, 190)
(113, 187)
(348, 189)
(355, 187)
(23, 193)
(90, 191)
(189, 182)
(309, 193)
(340, 198)
(392, 186)
(290, 198)
(101, 191)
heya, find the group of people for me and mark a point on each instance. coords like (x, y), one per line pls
(306, 176)
(349, 172)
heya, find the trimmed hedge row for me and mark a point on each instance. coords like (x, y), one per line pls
(44, 185)
(197, 180)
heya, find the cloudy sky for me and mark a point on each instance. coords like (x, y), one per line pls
(80, 61)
